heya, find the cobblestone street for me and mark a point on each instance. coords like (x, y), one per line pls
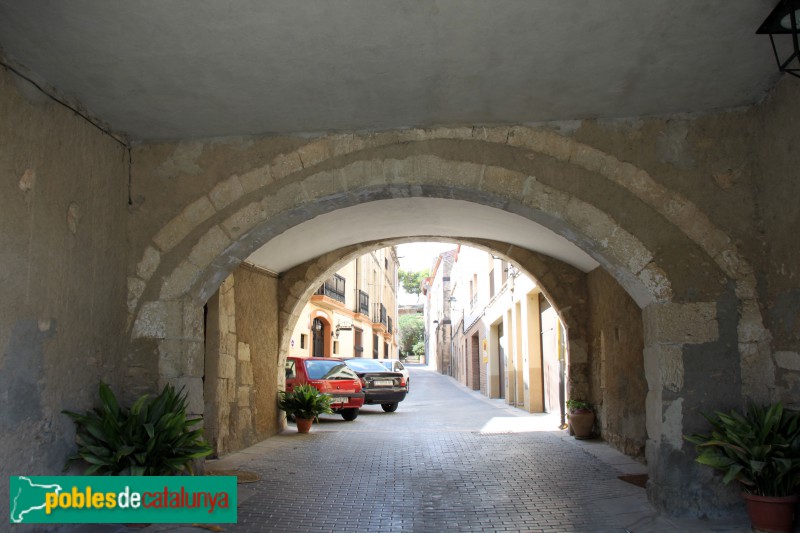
(447, 460)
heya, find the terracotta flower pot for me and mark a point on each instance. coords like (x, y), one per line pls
(304, 424)
(773, 514)
(582, 423)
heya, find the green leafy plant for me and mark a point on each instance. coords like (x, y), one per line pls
(760, 449)
(153, 437)
(578, 406)
(305, 402)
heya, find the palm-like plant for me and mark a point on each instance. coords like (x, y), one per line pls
(760, 449)
(305, 402)
(153, 437)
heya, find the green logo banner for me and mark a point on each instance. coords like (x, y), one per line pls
(122, 499)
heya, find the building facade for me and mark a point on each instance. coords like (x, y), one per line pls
(507, 340)
(354, 312)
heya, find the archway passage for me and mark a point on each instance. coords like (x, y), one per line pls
(627, 222)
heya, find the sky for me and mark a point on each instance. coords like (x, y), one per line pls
(417, 256)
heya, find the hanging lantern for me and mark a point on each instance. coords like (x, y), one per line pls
(783, 21)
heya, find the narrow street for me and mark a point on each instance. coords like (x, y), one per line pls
(447, 460)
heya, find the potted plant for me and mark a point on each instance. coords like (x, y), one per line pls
(153, 437)
(581, 419)
(305, 403)
(760, 450)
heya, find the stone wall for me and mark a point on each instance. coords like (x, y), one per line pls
(778, 201)
(664, 205)
(241, 380)
(63, 214)
(618, 385)
(257, 328)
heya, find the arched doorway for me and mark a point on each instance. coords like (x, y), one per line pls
(319, 336)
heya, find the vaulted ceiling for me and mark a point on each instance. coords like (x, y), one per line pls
(177, 69)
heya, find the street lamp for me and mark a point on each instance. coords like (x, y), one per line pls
(783, 21)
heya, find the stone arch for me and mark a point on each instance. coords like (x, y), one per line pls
(188, 258)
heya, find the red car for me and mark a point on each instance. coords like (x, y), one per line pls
(330, 376)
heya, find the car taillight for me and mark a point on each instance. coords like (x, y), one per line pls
(402, 382)
(363, 382)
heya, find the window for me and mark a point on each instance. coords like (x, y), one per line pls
(328, 370)
(303, 341)
(335, 347)
(375, 346)
(290, 370)
(386, 350)
(358, 342)
(363, 302)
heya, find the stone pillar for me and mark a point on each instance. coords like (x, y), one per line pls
(687, 369)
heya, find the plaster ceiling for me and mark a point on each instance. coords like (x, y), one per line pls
(156, 69)
(409, 217)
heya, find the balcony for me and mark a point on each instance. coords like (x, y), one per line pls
(334, 288)
(363, 303)
(379, 314)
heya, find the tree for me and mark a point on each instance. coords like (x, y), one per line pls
(412, 332)
(412, 281)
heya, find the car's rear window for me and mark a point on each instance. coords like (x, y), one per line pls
(365, 365)
(328, 370)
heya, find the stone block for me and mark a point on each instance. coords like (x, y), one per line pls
(285, 164)
(314, 153)
(255, 179)
(671, 366)
(321, 184)
(228, 345)
(671, 323)
(245, 373)
(589, 158)
(179, 227)
(209, 247)
(149, 263)
(502, 181)
(522, 137)
(499, 134)
(243, 351)
(151, 321)
(193, 318)
(544, 198)
(243, 220)
(227, 366)
(244, 396)
(179, 281)
(788, 360)
(465, 174)
(656, 282)
(226, 192)
(288, 196)
(751, 328)
(345, 144)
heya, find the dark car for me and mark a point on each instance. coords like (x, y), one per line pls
(330, 376)
(380, 386)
